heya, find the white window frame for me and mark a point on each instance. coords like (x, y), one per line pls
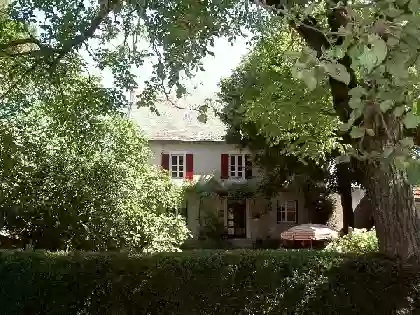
(236, 170)
(184, 164)
(284, 203)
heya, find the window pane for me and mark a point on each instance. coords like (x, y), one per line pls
(240, 160)
(181, 159)
(173, 174)
(174, 168)
(291, 205)
(283, 216)
(232, 160)
(232, 168)
(291, 216)
(181, 174)
(181, 167)
(174, 160)
(239, 173)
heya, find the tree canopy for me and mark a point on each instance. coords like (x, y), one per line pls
(263, 93)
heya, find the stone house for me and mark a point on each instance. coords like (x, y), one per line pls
(196, 153)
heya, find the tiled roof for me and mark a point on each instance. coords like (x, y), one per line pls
(178, 124)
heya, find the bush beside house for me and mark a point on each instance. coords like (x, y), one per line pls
(206, 282)
(83, 185)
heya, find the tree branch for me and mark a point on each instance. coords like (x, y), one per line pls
(105, 8)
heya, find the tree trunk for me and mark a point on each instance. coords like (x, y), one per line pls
(396, 218)
(363, 214)
(344, 187)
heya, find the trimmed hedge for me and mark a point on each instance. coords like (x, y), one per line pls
(206, 282)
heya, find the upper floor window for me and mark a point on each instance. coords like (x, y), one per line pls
(177, 165)
(236, 165)
(286, 211)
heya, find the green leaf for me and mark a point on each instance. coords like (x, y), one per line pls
(411, 121)
(413, 173)
(407, 142)
(358, 91)
(397, 67)
(308, 76)
(345, 126)
(398, 111)
(379, 48)
(414, 6)
(370, 132)
(356, 113)
(338, 72)
(401, 162)
(355, 102)
(386, 105)
(357, 132)
(388, 151)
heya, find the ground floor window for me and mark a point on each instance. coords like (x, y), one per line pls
(286, 211)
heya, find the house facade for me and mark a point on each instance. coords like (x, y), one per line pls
(222, 177)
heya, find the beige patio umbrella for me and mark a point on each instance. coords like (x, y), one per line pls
(309, 232)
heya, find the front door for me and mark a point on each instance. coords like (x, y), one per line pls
(236, 218)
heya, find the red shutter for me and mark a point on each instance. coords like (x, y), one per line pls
(248, 166)
(190, 167)
(224, 166)
(165, 161)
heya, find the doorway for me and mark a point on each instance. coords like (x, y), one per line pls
(236, 218)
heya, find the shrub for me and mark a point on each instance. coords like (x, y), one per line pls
(205, 282)
(359, 241)
(74, 176)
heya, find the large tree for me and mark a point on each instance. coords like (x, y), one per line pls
(365, 51)
(272, 114)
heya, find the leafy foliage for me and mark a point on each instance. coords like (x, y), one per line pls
(75, 174)
(358, 241)
(119, 36)
(206, 282)
(273, 115)
(262, 93)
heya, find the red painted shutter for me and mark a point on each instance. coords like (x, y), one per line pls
(190, 167)
(224, 166)
(248, 166)
(165, 161)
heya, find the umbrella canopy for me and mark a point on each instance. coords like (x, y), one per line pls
(316, 232)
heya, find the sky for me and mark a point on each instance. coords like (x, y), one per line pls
(204, 84)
